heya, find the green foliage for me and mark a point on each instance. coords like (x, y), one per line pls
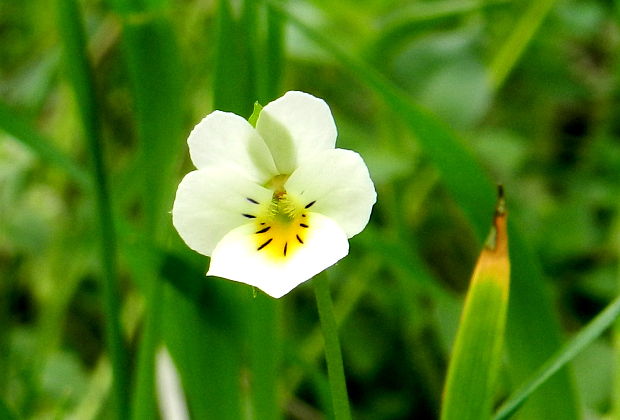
(442, 98)
(475, 359)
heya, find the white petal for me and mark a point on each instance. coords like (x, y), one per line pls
(236, 257)
(225, 138)
(338, 183)
(211, 202)
(295, 127)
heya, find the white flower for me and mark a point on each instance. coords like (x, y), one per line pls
(272, 205)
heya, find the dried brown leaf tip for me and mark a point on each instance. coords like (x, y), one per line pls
(494, 262)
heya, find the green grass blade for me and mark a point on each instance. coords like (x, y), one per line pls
(518, 40)
(80, 75)
(207, 359)
(5, 412)
(333, 354)
(20, 129)
(473, 191)
(203, 336)
(152, 56)
(474, 364)
(533, 336)
(233, 79)
(239, 81)
(582, 339)
(265, 354)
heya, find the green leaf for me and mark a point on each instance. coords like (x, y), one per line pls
(233, 78)
(155, 70)
(553, 365)
(474, 364)
(512, 49)
(20, 129)
(79, 71)
(5, 411)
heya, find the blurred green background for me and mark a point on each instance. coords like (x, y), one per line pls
(443, 99)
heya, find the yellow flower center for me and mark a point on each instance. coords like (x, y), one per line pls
(281, 225)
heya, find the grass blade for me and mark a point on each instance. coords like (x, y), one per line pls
(517, 41)
(469, 388)
(237, 86)
(563, 356)
(333, 354)
(80, 75)
(5, 412)
(18, 128)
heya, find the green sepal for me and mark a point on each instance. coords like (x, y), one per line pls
(255, 113)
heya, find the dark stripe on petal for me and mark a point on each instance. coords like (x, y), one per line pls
(251, 200)
(303, 225)
(263, 230)
(285, 246)
(249, 216)
(299, 239)
(310, 204)
(265, 244)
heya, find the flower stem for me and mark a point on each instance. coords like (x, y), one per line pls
(333, 355)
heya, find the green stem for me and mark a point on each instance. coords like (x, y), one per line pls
(265, 356)
(333, 355)
(80, 75)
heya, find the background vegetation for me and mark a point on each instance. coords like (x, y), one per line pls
(443, 98)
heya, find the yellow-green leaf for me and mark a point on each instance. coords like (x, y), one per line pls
(469, 388)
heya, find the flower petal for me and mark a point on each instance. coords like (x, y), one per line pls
(226, 138)
(336, 183)
(237, 258)
(295, 127)
(213, 201)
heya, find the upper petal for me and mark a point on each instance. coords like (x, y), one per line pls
(236, 257)
(336, 183)
(224, 138)
(295, 127)
(213, 201)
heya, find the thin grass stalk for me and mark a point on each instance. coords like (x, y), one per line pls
(333, 354)
(518, 40)
(79, 70)
(560, 359)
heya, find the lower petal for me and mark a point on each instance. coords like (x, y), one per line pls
(276, 264)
